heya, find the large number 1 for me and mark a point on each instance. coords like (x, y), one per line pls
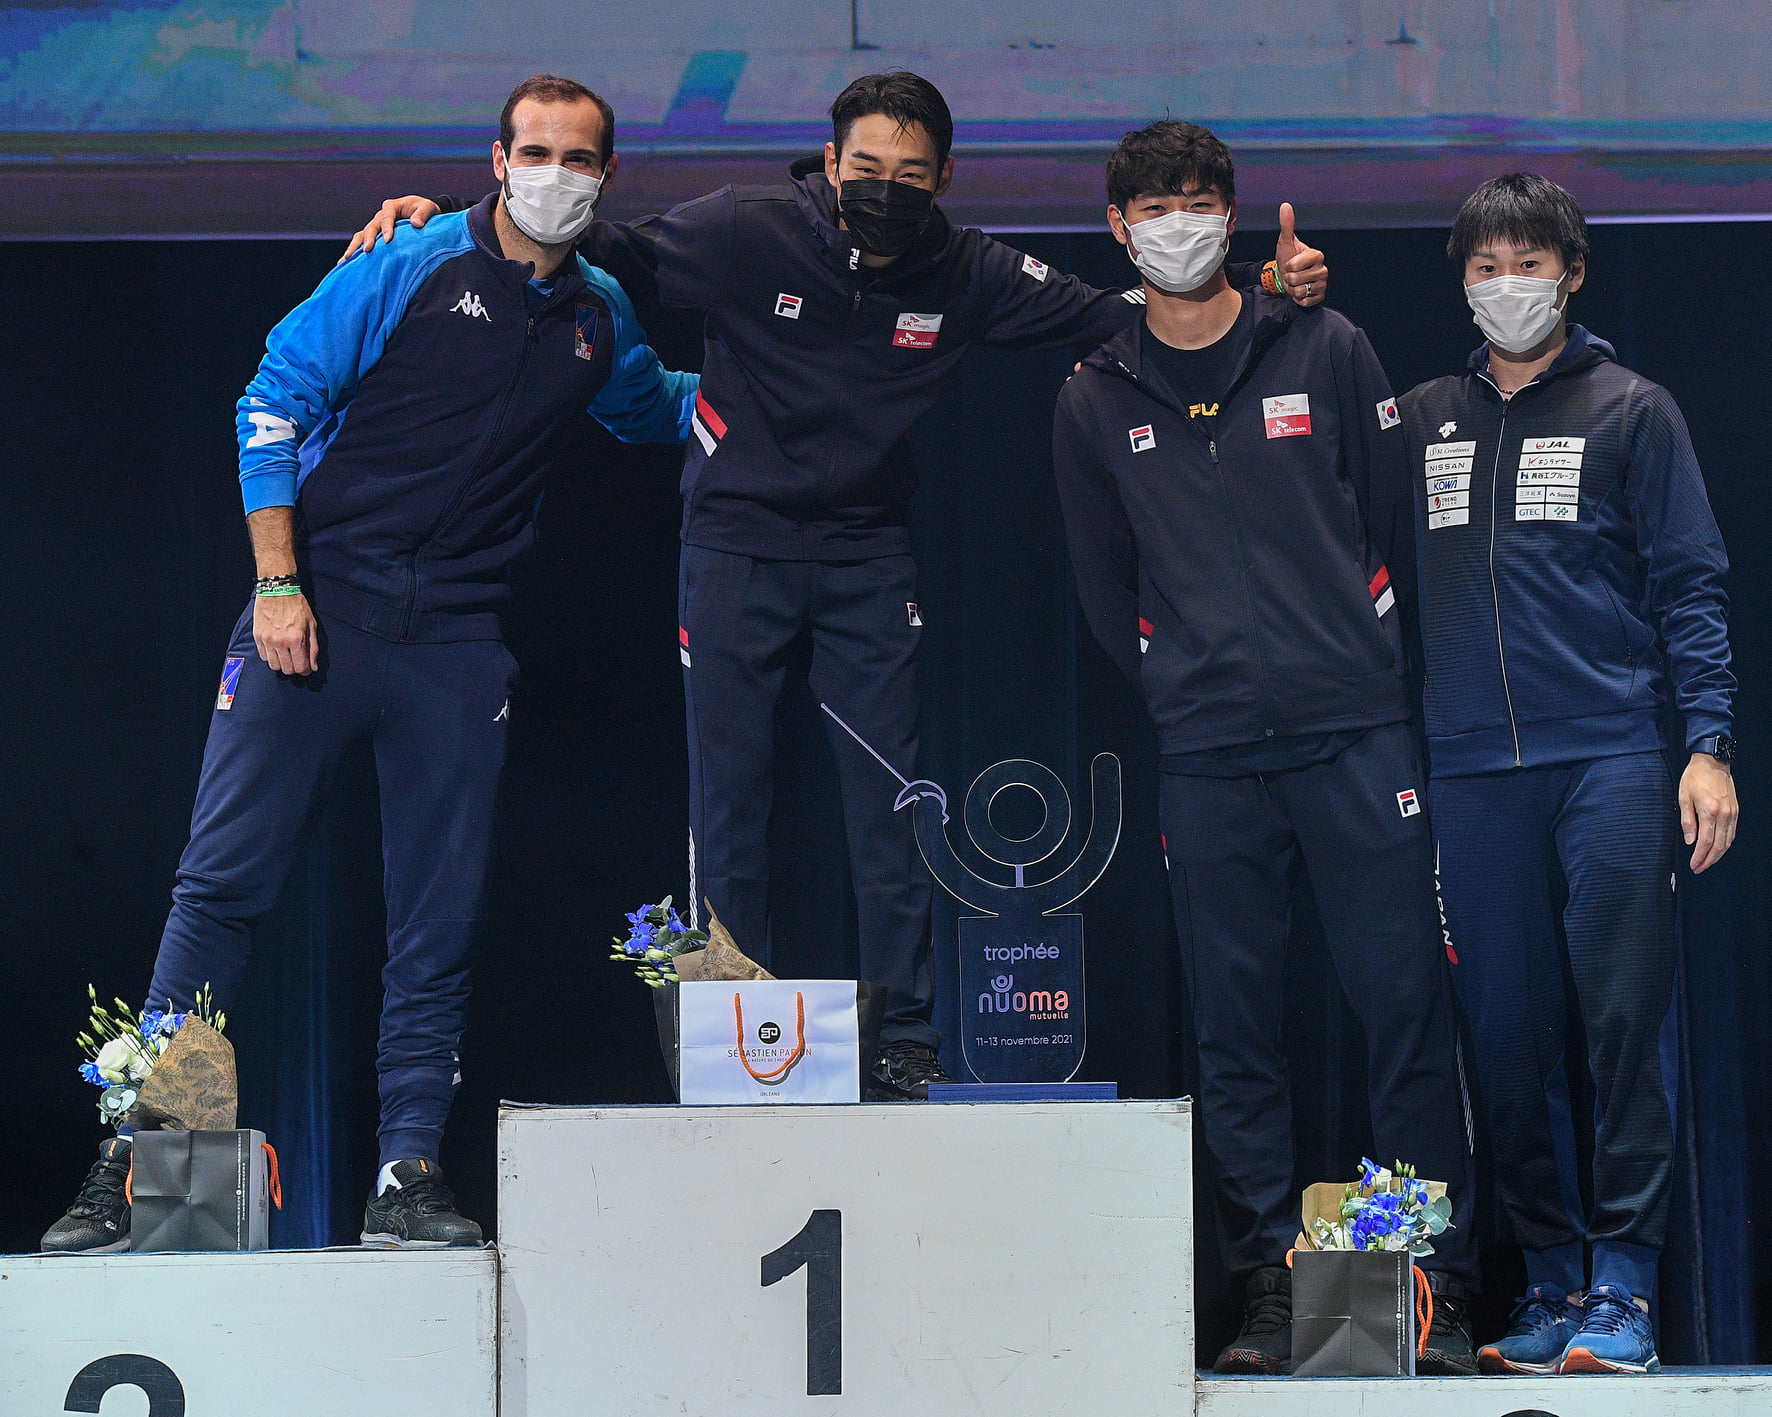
(819, 1247)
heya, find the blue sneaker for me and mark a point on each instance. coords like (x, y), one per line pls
(1544, 1323)
(1615, 1336)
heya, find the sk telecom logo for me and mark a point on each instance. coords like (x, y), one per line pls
(917, 331)
(1287, 416)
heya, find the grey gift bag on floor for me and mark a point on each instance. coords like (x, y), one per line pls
(1353, 1314)
(201, 1191)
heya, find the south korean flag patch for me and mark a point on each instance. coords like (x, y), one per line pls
(1387, 414)
(1037, 269)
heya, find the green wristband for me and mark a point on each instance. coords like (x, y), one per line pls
(279, 590)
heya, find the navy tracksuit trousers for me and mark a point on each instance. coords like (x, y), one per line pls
(436, 714)
(1232, 843)
(738, 618)
(1589, 847)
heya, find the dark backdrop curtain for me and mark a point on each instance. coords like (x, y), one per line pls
(123, 563)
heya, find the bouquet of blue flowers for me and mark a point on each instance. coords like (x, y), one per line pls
(123, 1047)
(655, 937)
(1383, 1210)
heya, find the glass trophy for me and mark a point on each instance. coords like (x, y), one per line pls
(1021, 959)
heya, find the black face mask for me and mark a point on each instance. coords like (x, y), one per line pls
(885, 216)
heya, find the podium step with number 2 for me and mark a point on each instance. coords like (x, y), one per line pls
(1023, 1259)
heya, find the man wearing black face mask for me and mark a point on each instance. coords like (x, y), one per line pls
(838, 307)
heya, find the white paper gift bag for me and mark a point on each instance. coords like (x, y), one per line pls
(769, 1040)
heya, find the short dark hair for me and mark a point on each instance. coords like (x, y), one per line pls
(549, 88)
(1167, 159)
(1522, 209)
(905, 98)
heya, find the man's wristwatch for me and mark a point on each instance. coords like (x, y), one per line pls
(1719, 745)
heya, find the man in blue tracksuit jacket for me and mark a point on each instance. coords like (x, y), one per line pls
(1571, 592)
(1234, 493)
(393, 447)
(838, 308)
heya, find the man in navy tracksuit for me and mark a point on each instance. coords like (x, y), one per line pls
(1571, 588)
(393, 447)
(1232, 477)
(839, 306)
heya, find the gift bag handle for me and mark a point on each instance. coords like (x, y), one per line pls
(276, 1180)
(1424, 1311)
(799, 1048)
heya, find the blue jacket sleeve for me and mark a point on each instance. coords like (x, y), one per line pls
(643, 402)
(320, 351)
(1678, 539)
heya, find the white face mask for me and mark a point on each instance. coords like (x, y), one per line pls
(1179, 251)
(551, 205)
(1516, 312)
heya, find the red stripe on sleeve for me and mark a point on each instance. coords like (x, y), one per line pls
(1145, 627)
(1380, 581)
(683, 635)
(716, 424)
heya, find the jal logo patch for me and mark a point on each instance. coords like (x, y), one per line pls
(230, 681)
(1287, 416)
(917, 331)
(788, 306)
(584, 334)
(1037, 269)
(1143, 438)
(1387, 414)
(1408, 803)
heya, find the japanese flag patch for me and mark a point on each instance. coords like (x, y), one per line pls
(1387, 414)
(917, 331)
(1408, 803)
(1287, 416)
(1037, 269)
(230, 681)
(1144, 438)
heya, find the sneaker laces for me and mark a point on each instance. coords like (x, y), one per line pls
(1533, 1314)
(427, 1196)
(913, 1062)
(1267, 1314)
(100, 1191)
(1449, 1315)
(1608, 1314)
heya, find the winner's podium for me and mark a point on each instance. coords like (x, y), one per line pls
(875, 1261)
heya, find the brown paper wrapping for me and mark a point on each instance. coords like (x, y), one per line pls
(192, 1088)
(721, 960)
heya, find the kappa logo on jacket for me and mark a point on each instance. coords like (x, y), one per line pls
(1287, 416)
(917, 331)
(470, 305)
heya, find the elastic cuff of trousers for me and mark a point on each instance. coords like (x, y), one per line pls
(409, 1145)
(1560, 1267)
(1630, 1267)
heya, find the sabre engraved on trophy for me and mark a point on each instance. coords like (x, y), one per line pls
(1024, 1023)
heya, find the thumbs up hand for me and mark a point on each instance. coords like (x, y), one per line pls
(1302, 269)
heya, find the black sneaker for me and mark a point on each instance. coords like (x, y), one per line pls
(904, 1072)
(1265, 1344)
(417, 1211)
(1450, 1352)
(97, 1223)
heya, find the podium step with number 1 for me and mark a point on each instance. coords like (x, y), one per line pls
(1010, 1260)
